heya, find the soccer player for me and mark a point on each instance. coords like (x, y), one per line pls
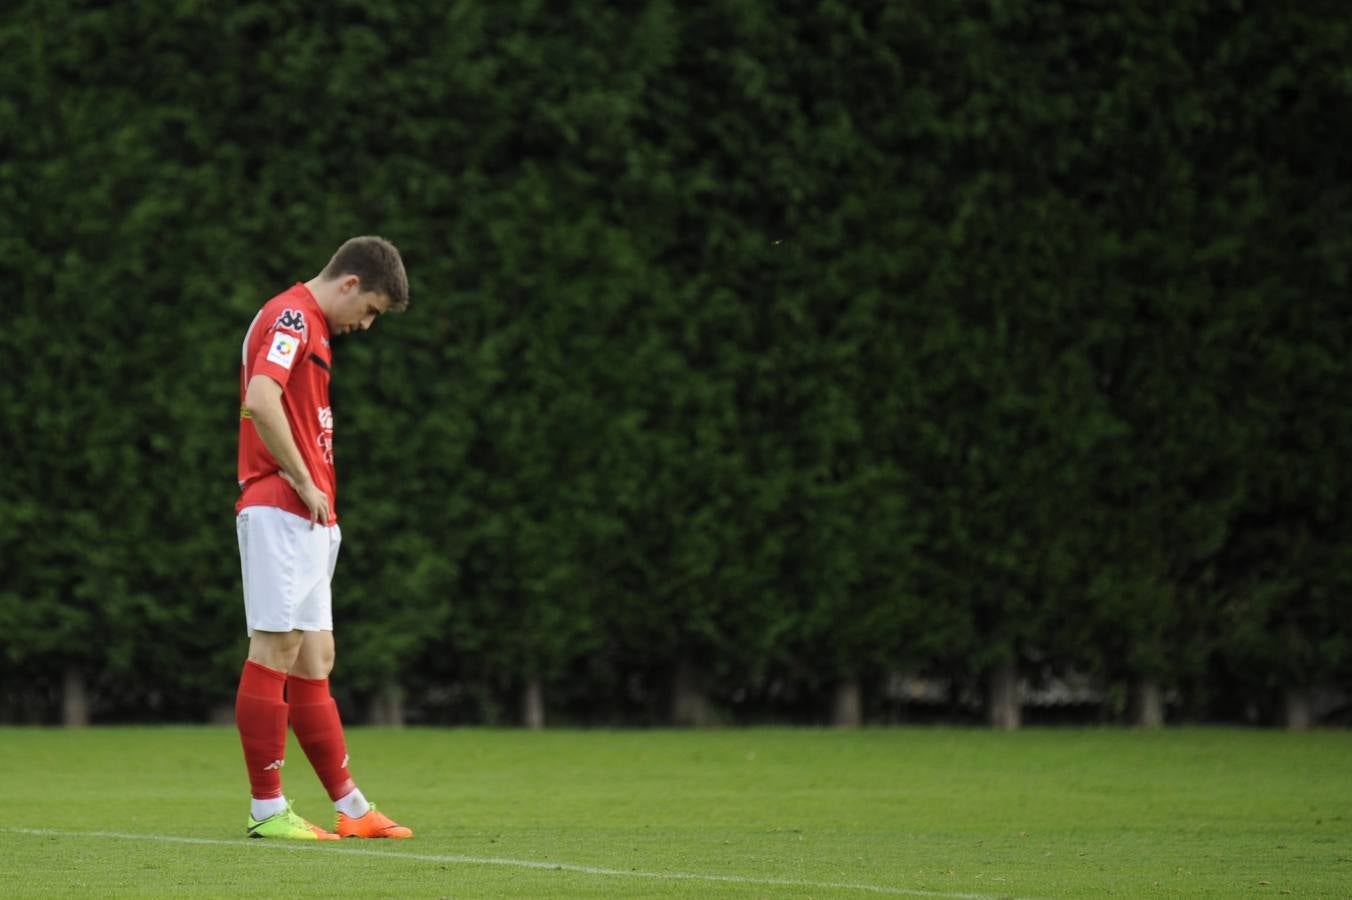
(287, 522)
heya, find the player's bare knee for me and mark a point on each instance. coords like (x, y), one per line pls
(276, 650)
(315, 659)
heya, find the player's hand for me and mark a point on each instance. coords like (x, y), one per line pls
(314, 499)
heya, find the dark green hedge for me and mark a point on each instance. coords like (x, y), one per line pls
(793, 343)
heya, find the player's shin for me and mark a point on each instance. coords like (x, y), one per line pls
(319, 729)
(260, 716)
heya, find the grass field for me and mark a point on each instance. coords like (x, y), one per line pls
(757, 813)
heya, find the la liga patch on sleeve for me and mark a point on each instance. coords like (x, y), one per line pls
(283, 349)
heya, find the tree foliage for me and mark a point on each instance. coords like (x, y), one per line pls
(796, 343)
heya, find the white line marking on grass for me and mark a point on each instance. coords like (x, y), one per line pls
(499, 861)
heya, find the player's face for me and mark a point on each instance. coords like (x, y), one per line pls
(357, 310)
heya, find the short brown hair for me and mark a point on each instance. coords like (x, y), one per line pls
(377, 263)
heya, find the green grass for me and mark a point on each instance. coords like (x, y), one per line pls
(775, 813)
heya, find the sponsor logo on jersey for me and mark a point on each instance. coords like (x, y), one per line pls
(325, 437)
(293, 319)
(283, 350)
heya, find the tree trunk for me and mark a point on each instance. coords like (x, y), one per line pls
(533, 705)
(1147, 704)
(689, 705)
(1297, 714)
(74, 701)
(1002, 697)
(387, 706)
(846, 709)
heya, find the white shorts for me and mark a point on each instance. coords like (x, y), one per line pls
(287, 568)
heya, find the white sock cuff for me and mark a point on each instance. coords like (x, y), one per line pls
(352, 804)
(262, 809)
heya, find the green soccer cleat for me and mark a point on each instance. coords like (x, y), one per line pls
(288, 826)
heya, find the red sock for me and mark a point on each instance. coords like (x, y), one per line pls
(260, 716)
(314, 718)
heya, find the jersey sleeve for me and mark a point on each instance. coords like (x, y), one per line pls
(286, 341)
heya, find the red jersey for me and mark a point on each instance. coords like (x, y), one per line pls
(289, 342)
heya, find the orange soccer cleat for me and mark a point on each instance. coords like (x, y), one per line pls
(372, 825)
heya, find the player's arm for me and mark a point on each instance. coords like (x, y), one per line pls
(263, 399)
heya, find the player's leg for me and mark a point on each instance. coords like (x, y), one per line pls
(260, 716)
(319, 729)
(260, 702)
(316, 721)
